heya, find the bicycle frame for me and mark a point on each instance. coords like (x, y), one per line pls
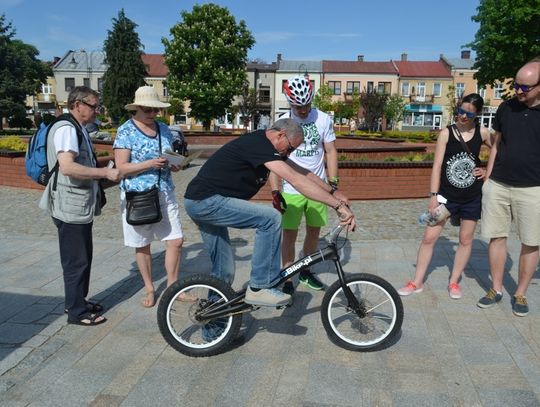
(330, 252)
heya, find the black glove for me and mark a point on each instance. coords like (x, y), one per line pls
(278, 201)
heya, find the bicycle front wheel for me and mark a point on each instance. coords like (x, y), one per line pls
(374, 325)
(179, 316)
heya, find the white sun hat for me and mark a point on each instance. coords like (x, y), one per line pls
(148, 97)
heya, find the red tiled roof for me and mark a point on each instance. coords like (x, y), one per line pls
(155, 65)
(358, 67)
(423, 69)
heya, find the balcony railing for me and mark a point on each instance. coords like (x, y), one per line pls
(421, 99)
(46, 97)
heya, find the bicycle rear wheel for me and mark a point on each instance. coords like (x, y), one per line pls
(179, 319)
(381, 313)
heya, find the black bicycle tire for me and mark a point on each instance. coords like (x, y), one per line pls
(384, 285)
(169, 295)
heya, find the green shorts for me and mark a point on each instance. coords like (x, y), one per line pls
(298, 205)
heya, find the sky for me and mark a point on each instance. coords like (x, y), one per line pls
(299, 30)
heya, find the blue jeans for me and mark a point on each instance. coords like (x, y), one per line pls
(215, 214)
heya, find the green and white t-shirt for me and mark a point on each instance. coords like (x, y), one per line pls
(318, 129)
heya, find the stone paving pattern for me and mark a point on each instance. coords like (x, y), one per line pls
(449, 353)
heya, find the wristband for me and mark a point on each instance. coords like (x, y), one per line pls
(333, 189)
(333, 180)
(433, 193)
(338, 205)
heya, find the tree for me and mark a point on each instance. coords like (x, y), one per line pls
(21, 73)
(323, 99)
(373, 104)
(247, 106)
(343, 110)
(452, 102)
(207, 57)
(509, 36)
(125, 68)
(394, 109)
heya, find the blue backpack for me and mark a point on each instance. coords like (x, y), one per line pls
(36, 164)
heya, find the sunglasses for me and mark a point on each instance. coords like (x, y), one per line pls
(470, 115)
(149, 109)
(97, 107)
(524, 88)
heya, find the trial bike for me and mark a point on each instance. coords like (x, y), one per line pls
(360, 312)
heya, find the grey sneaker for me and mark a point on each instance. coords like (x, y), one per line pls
(490, 299)
(519, 305)
(267, 297)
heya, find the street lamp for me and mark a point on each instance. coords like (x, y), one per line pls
(90, 57)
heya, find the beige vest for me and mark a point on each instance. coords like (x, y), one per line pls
(74, 200)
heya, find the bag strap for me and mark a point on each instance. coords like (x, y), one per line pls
(462, 141)
(159, 141)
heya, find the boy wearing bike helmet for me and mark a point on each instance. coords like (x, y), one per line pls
(318, 142)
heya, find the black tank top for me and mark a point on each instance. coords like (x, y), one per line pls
(458, 183)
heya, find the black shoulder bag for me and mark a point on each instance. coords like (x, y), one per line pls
(142, 208)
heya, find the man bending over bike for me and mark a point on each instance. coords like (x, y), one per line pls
(217, 198)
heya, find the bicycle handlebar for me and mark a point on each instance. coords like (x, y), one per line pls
(334, 233)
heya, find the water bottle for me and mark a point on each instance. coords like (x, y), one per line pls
(425, 218)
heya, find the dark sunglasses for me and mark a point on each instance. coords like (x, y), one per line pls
(149, 109)
(470, 115)
(524, 88)
(97, 107)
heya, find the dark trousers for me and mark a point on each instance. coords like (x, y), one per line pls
(76, 250)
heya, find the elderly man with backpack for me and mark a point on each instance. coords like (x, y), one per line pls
(73, 197)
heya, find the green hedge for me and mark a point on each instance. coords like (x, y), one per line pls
(16, 132)
(410, 136)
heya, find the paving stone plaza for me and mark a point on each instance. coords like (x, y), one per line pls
(449, 353)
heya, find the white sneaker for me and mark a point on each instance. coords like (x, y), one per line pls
(267, 297)
(409, 289)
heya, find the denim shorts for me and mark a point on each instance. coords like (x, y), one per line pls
(471, 210)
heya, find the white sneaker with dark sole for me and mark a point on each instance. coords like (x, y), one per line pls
(267, 297)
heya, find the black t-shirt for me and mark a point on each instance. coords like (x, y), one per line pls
(458, 183)
(236, 170)
(518, 157)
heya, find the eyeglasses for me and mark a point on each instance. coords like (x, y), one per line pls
(146, 109)
(470, 115)
(524, 88)
(97, 107)
(290, 149)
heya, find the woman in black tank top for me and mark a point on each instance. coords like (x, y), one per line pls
(456, 181)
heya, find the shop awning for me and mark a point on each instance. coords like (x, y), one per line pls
(415, 107)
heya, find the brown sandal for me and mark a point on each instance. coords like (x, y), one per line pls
(148, 300)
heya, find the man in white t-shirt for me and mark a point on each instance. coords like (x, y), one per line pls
(318, 144)
(73, 198)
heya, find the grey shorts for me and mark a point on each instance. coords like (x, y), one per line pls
(503, 203)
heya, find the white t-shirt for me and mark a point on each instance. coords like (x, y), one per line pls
(318, 129)
(65, 139)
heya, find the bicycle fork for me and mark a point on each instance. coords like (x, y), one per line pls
(357, 307)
